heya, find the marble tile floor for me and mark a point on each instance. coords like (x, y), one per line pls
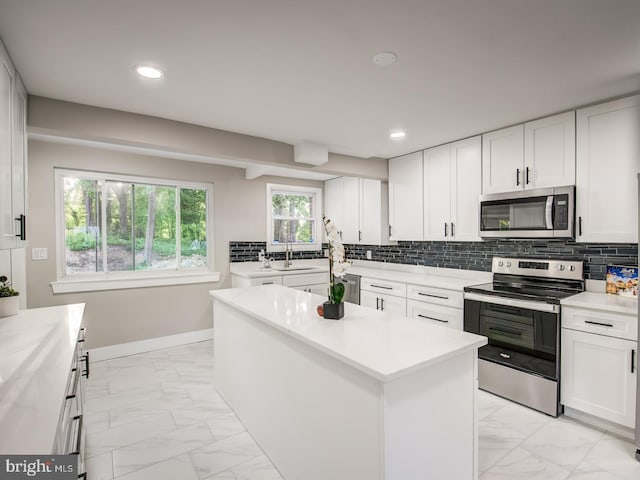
(157, 416)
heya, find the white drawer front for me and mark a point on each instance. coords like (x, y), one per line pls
(273, 280)
(439, 296)
(436, 314)
(305, 279)
(601, 322)
(384, 286)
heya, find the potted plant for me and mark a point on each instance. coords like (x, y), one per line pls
(8, 298)
(334, 307)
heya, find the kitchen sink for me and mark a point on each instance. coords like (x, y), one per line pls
(289, 269)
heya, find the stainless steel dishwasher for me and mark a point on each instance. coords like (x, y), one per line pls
(351, 287)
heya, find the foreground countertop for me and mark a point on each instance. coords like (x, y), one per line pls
(37, 348)
(602, 301)
(383, 345)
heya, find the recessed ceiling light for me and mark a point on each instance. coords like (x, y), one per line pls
(384, 59)
(149, 71)
(397, 134)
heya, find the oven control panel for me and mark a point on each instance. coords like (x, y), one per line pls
(569, 269)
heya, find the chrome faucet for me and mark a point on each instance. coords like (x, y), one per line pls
(287, 260)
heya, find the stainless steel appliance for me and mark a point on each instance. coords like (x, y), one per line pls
(538, 213)
(638, 376)
(351, 287)
(519, 312)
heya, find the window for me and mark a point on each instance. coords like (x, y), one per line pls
(119, 225)
(293, 216)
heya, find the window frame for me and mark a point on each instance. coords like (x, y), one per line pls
(317, 216)
(106, 280)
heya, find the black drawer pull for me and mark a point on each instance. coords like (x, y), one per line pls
(78, 436)
(598, 323)
(381, 286)
(433, 296)
(85, 357)
(431, 318)
(633, 360)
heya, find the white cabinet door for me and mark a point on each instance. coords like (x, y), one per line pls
(319, 289)
(333, 206)
(597, 376)
(374, 223)
(607, 163)
(370, 299)
(466, 174)
(437, 193)
(350, 226)
(503, 160)
(383, 303)
(7, 226)
(550, 151)
(405, 197)
(19, 170)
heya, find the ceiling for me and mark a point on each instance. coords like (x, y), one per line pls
(302, 70)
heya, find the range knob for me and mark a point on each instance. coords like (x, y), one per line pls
(500, 263)
(508, 264)
(561, 267)
(572, 268)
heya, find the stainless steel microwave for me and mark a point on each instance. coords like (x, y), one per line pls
(537, 213)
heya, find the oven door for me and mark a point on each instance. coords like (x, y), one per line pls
(541, 213)
(522, 334)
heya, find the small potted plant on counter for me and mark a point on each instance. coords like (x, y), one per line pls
(334, 307)
(8, 298)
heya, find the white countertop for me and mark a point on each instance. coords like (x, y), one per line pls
(447, 278)
(381, 344)
(37, 348)
(602, 301)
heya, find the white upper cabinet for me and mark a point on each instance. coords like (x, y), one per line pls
(503, 160)
(537, 154)
(607, 164)
(358, 207)
(405, 197)
(437, 193)
(550, 151)
(466, 172)
(452, 184)
(19, 163)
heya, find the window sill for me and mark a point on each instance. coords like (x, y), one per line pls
(86, 284)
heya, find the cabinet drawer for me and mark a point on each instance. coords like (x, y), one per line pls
(273, 280)
(601, 322)
(435, 295)
(384, 286)
(305, 279)
(436, 314)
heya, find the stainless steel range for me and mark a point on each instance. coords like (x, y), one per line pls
(519, 312)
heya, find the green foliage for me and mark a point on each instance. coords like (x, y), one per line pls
(5, 288)
(78, 241)
(337, 292)
(292, 214)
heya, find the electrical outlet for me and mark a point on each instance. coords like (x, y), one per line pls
(325, 252)
(368, 254)
(39, 254)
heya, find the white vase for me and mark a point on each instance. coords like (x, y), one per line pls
(8, 306)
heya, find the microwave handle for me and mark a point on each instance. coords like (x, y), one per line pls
(548, 212)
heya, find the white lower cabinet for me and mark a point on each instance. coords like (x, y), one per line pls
(435, 314)
(383, 302)
(598, 371)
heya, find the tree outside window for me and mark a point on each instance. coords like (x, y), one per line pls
(293, 216)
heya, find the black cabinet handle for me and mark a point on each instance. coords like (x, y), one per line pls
(599, 323)
(633, 360)
(579, 226)
(382, 304)
(85, 358)
(389, 230)
(78, 436)
(432, 296)
(381, 286)
(23, 227)
(517, 177)
(431, 318)
(453, 232)
(526, 176)
(359, 235)
(445, 229)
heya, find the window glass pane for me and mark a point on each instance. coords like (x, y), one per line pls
(193, 220)
(295, 231)
(292, 205)
(82, 232)
(119, 225)
(155, 227)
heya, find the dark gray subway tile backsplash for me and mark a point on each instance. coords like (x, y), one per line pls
(470, 255)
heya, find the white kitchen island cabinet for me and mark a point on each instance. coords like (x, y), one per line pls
(374, 396)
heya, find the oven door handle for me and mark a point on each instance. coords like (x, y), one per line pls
(513, 302)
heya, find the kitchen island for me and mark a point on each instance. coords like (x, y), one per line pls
(371, 396)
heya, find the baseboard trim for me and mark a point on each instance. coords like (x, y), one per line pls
(149, 345)
(599, 423)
